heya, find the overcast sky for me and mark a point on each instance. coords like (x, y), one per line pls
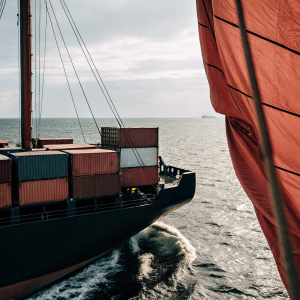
(147, 53)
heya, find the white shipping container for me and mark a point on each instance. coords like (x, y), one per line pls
(149, 157)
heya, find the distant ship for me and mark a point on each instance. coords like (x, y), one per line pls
(207, 117)
(65, 205)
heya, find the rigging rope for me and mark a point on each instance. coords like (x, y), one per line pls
(56, 41)
(35, 65)
(104, 90)
(39, 80)
(74, 68)
(2, 6)
(43, 78)
(19, 71)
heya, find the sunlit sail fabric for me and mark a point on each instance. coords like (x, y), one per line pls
(274, 35)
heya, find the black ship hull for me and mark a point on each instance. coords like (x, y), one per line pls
(38, 253)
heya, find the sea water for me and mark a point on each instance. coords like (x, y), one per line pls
(212, 248)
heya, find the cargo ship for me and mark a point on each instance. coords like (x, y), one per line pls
(65, 205)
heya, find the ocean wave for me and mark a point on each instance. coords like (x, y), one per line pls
(165, 257)
(154, 264)
(83, 283)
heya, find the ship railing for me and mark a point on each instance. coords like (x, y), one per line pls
(170, 174)
(54, 214)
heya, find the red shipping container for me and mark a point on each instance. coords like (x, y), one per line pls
(31, 192)
(94, 161)
(5, 195)
(69, 146)
(53, 141)
(5, 169)
(96, 185)
(139, 137)
(139, 176)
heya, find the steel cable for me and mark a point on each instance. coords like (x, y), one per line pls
(74, 68)
(2, 6)
(106, 94)
(65, 72)
(44, 68)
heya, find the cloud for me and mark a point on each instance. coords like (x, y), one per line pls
(132, 58)
(147, 52)
(8, 100)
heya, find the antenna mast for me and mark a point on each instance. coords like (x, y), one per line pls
(26, 94)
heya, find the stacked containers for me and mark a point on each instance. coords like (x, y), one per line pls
(41, 176)
(5, 181)
(69, 146)
(93, 173)
(138, 153)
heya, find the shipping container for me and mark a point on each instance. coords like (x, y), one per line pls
(7, 151)
(5, 169)
(53, 141)
(70, 146)
(96, 185)
(138, 157)
(3, 144)
(5, 195)
(37, 165)
(113, 138)
(139, 176)
(93, 161)
(41, 191)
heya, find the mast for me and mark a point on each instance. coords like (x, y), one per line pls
(26, 94)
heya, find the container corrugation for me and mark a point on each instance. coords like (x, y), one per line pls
(137, 176)
(5, 169)
(139, 137)
(5, 195)
(53, 141)
(38, 165)
(42, 191)
(94, 161)
(69, 146)
(96, 185)
(137, 157)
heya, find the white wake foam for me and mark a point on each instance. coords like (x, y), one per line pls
(85, 282)
(164, 240)
(165, 257)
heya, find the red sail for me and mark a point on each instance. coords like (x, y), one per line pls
(273, 32)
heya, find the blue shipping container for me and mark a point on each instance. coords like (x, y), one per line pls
(37, 165)
(7, 151)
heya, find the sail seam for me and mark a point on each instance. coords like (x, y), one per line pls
(203, 25)
(207, 27)
(260, 36)
(208, 19)
(230, 86)
(288, 171)
(265, 104)
(210, 65)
